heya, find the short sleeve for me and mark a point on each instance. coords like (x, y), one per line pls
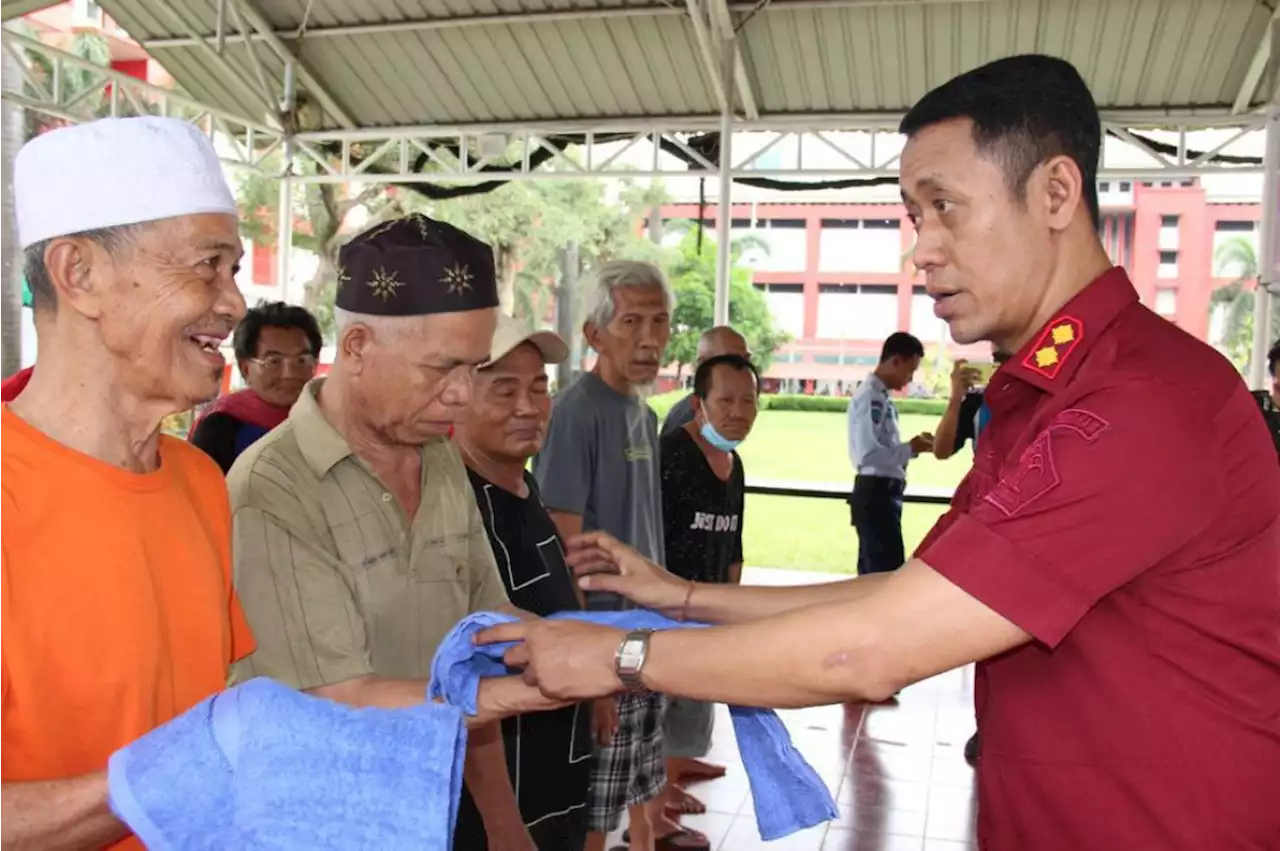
(487, 591)
(1108, 489)
(566, 465)
(309, 631)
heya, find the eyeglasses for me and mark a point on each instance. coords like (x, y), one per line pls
(276, 363)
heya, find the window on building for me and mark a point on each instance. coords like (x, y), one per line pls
(1166, 301)
(86, 12)
(772, 245)
(924, 324)
(1117, 237)
(866, 245)
(1169, 233)
(786, 304)
(857, 311)
(1235, 248)
(1168, 267)
(1126, 186)
(1104, 186)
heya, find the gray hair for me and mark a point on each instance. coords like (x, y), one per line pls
(388, 326)
(623, 273)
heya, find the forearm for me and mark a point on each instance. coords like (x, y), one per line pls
(497, 698)
(810, 657)
(735, 573)
(485, 773)
(58, 815)
(944, 436)
(725, 604)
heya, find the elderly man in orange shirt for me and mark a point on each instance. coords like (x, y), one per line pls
(118, 609)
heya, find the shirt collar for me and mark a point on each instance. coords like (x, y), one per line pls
(322, 445)
(1055, 352)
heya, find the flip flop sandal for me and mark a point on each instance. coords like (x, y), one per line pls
(685, 804)
(704, 774)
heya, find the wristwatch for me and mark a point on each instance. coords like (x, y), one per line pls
(628, 662)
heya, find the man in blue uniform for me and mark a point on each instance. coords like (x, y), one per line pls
(880, 458)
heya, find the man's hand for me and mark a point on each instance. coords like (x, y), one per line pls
(604, 719)
(503, 697)
(568, 661)
(963, 378)
(604, 563)
(922, 443)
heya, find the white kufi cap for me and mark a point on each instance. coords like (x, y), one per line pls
(113, 172)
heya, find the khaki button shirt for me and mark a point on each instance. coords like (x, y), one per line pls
(333, 581)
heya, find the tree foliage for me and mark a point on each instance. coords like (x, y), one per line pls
(1234, 302)
(692, 271)
(529, 222)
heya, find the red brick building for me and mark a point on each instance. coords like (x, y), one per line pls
(838, 276)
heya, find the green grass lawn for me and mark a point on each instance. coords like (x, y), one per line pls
(814, 534)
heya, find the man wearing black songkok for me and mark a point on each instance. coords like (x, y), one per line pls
(358, 544)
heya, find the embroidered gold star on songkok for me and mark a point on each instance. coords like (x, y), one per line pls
(415, 266)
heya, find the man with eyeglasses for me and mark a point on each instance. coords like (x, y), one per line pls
(356, 537)
(277, 346)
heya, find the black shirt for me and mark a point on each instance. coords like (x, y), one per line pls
(548, 753)
(701, 514)
(1270, 413)
(967, 428)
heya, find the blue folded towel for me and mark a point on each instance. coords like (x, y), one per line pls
(265, 767)
(788, 794)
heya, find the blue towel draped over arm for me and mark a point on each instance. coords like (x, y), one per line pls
(262, 766)
(788, 794)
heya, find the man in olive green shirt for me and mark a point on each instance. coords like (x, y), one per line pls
(357, 541)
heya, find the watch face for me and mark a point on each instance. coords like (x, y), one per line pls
(632, 653)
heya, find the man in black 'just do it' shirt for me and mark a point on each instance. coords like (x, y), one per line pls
(703, 491)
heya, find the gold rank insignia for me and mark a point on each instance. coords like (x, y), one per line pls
(1054, 346)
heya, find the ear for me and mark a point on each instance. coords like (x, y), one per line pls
(354, 345)
(695, 402)
(1063, 191)
(244, 369)
(81, 271)
(592, 333)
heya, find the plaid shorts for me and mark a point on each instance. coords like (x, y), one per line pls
(631, 769)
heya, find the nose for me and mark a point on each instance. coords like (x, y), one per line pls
(230, 303)
(926, 254)
(457, 388)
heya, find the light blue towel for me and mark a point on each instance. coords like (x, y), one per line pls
(262, 766)
(788, 794)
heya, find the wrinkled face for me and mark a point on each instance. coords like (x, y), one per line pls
(163, 300)
(985, 253)
(731, 404)
(898, 371)
(415, 376)
(637, 335)
(281, 366)
(510, 407)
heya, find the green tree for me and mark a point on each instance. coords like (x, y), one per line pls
(528, 222)
(320, 229)
(81, 86)
(692, 272)
(1234, 302)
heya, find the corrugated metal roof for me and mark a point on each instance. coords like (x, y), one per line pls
(488, 61)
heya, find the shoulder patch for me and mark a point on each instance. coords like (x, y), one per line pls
(1055, 346)
(1036, 473)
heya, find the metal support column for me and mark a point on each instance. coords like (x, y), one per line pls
(724, 216)
(1268, 254)
(284, 235)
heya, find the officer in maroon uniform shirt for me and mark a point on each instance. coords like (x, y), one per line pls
(1112, 561)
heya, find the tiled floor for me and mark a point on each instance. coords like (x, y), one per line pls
(897, 772)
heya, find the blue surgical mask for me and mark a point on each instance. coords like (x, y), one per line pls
(716, 439)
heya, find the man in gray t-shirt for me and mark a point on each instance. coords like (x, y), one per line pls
(598, 470)
(600, 461)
